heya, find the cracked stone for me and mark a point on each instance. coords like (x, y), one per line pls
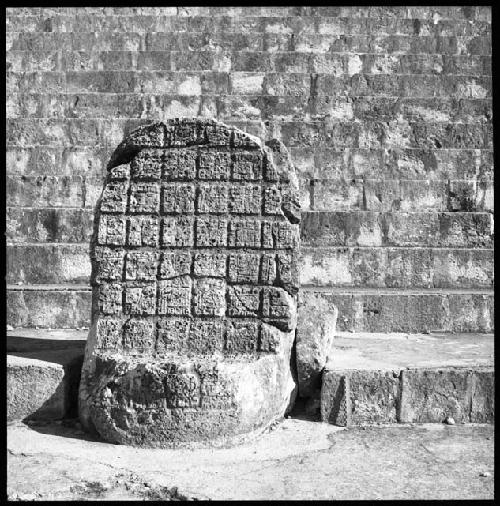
(194, 288)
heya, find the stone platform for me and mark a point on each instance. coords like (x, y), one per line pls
(383, 378)
(43, 369)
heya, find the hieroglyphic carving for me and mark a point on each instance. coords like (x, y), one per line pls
(194, 258)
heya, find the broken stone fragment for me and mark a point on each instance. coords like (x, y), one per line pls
(195, 282)
(315, 332)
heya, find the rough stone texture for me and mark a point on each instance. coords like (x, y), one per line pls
(392, 310)
(194, 274)
(407, 396)
(387, 378)
(43, 373)
(297, 460)
(315, 333)
(34, 387)
(359, 397)
(43, 385)
(432, 395)
(386, 111)
(483, 396)
(360, 310)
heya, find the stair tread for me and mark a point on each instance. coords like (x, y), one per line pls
(51, 287)
(41, 340)
(396, 291)
(396, 351)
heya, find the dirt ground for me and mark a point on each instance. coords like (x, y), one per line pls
(295, 459)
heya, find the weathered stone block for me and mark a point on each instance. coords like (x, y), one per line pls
(277, 309)
(143, 231)
(205, 337)
(272, 200)
(108, 264)
(209, 297)
(245, 199)
(217, 136)
(286, 235)
(109, 334)
(214, 165)
(243, 301)
(244, 234)
(430, 395)
(244, 268)
(212, 199)
(287, 271)
(178, 199)
(140, 299)
(110, 298)
(211, 231)
(147, 164)
(210, 264)
(317, 320)
(138, 336)
(174, 264)
(177, 231)
(114, 197)
(144, 198)
(247, 166)
(374, 396)
(267, 274)
(112, 230)
(335, 399)
(241, 337)
(40, 389)
(183, 133)
(175, 296)
(192, 324)
(483, 396)
(141, 265)
(359, 397)
(171, 334)
(179, 165)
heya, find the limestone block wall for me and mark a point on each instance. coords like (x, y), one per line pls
(387, 113)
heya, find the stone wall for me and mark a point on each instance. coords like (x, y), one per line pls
(386, 111)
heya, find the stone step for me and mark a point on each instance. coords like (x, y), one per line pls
(43, 373)
(425, 229)
(386, 267)
(304, 42)
(452, 14)
(49, 306)
(326, 194)
(360, 310)
(390, 377)
(312, 162)
(409, 378)
(370, 162)
(396, 267)
(408, 310)
(318, 228)
(305, 20)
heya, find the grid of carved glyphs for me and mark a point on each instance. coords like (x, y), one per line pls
(193, 253)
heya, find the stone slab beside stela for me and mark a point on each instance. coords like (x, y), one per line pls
(194, 274)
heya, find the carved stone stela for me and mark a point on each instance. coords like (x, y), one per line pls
(194, 274)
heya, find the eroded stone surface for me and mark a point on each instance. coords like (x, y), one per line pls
(315, 334)
(194, 273)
